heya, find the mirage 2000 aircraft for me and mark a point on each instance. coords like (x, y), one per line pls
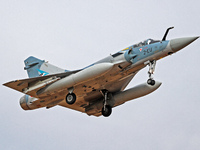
(98, 88)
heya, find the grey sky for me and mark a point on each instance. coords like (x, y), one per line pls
(74, 34)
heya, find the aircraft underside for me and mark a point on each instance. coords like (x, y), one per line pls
(97, 88)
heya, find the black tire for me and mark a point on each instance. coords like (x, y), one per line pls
(107, 112)
(70, 98)
(151, 82)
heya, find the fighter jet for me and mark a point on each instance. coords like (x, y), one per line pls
(99, 87)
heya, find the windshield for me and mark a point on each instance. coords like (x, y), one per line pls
(146, 42)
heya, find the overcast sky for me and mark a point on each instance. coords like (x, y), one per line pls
(74, 34)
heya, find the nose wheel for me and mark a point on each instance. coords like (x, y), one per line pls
(152, 65)
(151, 82)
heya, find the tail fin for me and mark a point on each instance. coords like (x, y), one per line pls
(36, 67)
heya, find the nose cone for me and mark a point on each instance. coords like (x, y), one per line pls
(178, 44)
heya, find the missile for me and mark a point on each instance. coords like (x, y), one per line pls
(39, 85)
(74, 79)
(27, 102)
(124, 96)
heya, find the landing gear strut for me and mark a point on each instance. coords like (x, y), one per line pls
(107, 109)
(152, 65)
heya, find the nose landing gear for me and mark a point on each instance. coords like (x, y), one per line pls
(152, 65)
(151, 82)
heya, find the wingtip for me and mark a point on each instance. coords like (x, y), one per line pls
(4, 84)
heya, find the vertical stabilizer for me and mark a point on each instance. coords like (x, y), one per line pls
(36, 67)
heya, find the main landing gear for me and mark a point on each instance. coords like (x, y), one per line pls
(152, 65)
(71, 97)
(107, 109)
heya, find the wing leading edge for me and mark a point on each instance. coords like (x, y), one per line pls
(31, 85)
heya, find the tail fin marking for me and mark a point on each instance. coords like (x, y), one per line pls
(36, 67)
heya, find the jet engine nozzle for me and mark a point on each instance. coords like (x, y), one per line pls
(178, 44)
(23, 103)
(26, 102)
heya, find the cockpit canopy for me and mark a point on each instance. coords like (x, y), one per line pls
(145, 42)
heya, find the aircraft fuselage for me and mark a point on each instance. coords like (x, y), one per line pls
(98, 87)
